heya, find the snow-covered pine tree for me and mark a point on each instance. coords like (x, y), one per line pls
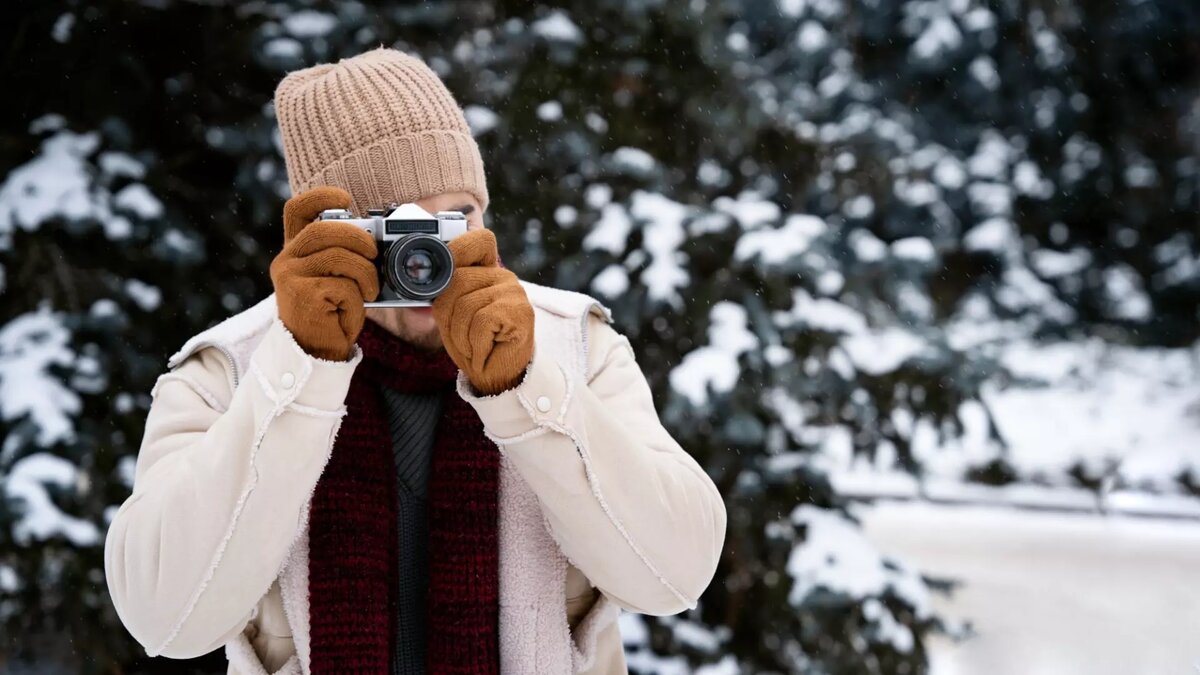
(123, 229)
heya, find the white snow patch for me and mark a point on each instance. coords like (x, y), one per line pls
(611, 231)
(822, 314)
(914, 300)
(992, 156)
(596, 123)
(867, 247)
(882, 351)
(634, 160)
(61, 31)
(983, 69)
(861, 206)
(1054, 264)
(309, 23)
(127, 470)
(979, 18)
(749, 209)
(1028, 180)
(550, 111)
(777, 245)
(830, 282)
(812, 37)
(612, 282)
(918, 249)
(707, 223)
(597, 195)
(1050, 53)
(1022, 290)
(949, 173)
(1152, 440)
(147, 296)
(940, 37)
(283, 48)
(696, 636)
(480, 119)
(633, 628)
(726, 666)
(835, 556)
(566, 215)
(1060, 413)
(737, 42)
(104, 308)
(54, 184)
(121, 164)
(834, 84)
(179, 242)
(557, 27)
(777, 355)
(1141, 174)
(715, 366)
(886, 627)
(712, 174)
(916, 192)
(30, 346)
(662, 235)
(1050, 592)
(9, 583)
(994, 234)
(47, 122)
(40, 518)
(1126, 295)
(137, 198)
(990, 199)
(58, 184)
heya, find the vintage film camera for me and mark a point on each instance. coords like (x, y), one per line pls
(414, 262)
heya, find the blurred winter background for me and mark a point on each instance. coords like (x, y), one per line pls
(916, 280)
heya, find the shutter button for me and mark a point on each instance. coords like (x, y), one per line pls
(543, 404)
(287, 380)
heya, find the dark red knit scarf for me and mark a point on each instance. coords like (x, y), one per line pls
(352, 545)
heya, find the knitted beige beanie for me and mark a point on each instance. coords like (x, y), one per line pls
(380, 125)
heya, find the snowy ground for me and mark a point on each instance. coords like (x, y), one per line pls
(1128, 416)
(1057, 578)
(1054, 592)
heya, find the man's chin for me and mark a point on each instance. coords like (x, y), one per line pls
(430, 341)
(414, 325)
(420, 328)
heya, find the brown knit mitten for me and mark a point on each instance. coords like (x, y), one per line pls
(323, 275)
(484, 316)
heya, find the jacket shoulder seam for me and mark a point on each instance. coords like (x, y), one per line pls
(569, 303)
(252, 322)
(203, 392)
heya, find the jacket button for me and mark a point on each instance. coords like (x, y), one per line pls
(543, 404)
(288, 380)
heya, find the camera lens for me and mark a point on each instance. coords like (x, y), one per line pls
(418, 267)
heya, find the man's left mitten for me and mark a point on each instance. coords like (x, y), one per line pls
(484, 316)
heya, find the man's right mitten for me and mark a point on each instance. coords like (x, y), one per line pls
(323, 275)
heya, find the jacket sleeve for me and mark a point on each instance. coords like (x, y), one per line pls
(221, 490)
(629, 507)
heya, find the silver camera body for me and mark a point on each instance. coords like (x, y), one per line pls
(414, 263)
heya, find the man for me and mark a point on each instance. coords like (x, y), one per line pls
(476, 487)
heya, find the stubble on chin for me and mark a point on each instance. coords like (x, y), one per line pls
(430, 341)
(394, 321)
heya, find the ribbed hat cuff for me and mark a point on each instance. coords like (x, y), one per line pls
(405, 169)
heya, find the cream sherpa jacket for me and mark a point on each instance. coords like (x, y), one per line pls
(600, 508)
